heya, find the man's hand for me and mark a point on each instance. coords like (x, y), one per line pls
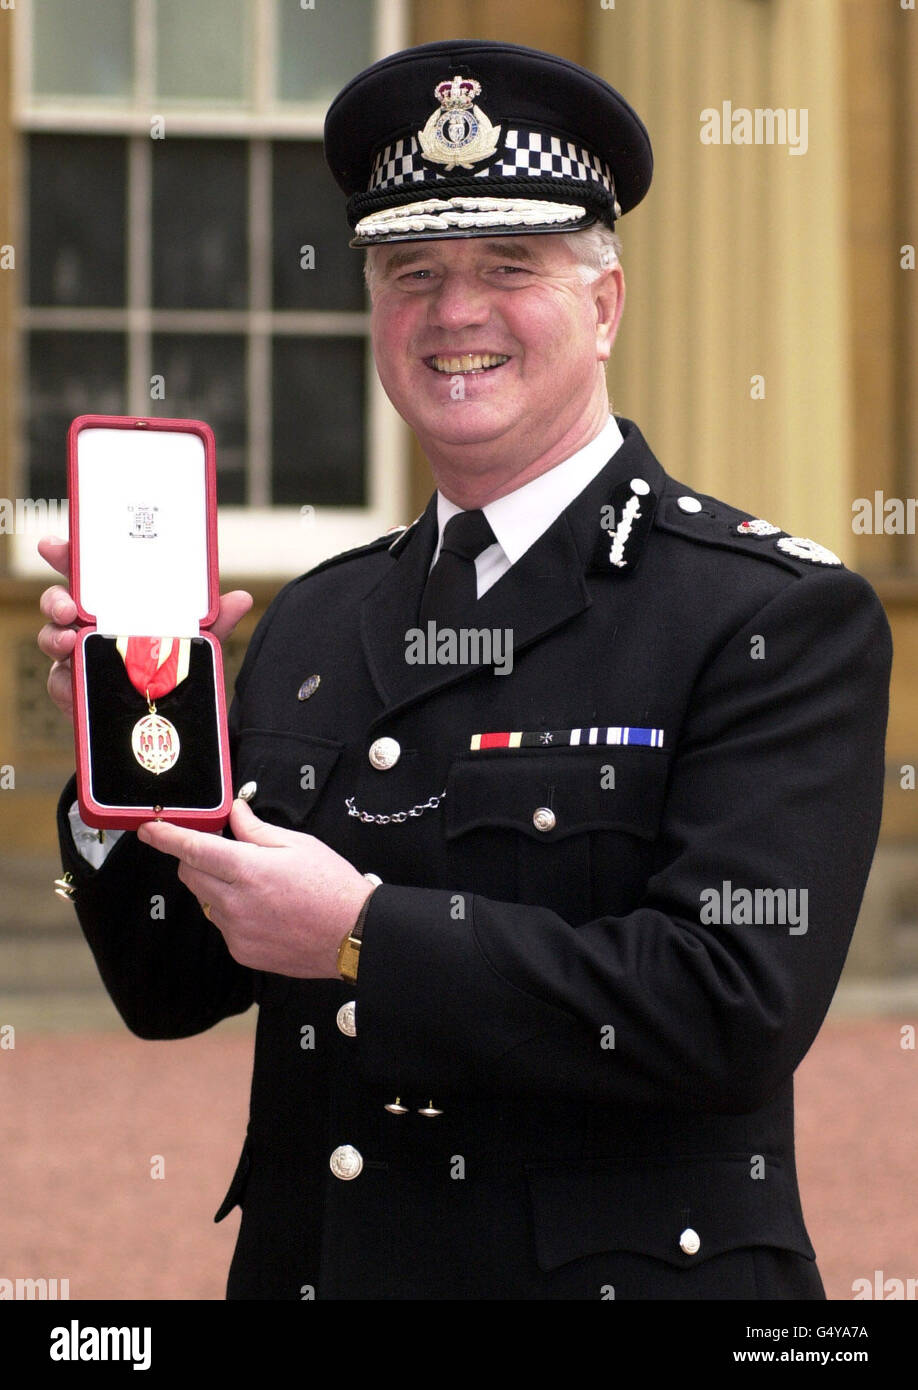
(283, 901)
(58, 637)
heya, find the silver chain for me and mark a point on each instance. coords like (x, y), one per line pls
(368, 817)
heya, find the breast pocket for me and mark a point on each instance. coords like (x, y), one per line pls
(289, 772)
(578, 824)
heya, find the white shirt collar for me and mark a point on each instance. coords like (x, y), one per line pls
(520, 518)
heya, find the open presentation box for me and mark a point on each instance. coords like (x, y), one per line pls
(143, 565)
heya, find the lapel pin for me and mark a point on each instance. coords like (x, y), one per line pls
(309, 687)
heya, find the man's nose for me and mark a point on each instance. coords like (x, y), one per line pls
(459, 301)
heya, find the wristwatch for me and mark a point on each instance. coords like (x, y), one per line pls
(349, 950)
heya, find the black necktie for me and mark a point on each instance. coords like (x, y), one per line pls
(452, 586)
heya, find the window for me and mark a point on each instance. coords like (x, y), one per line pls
(187, 256)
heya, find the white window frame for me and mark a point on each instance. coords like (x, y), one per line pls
(257, 540)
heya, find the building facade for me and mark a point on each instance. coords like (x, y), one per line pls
(171, 244)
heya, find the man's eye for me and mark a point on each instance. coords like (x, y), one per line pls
(512, 270)
(416, 276)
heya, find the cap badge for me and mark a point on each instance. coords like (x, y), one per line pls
(459, 133)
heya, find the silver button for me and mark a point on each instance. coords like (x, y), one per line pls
(247, 791)
(346, 1162)
(689, 1241)
(346, 1019)
(639, 486)
(385, 753)
(544, 818)
(689, 504)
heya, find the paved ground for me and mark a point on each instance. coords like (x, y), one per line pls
(87, 1115)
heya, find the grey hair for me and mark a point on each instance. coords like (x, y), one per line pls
(596, 249)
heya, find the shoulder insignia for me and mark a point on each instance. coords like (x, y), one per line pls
(805, 549)
(713, 522)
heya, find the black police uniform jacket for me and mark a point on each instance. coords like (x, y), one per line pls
(612, 1052)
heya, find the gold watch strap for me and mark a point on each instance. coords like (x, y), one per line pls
(349, 950)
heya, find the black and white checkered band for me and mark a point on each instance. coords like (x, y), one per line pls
(525, 152)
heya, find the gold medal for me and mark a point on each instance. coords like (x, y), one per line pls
(155, 742)
(155, 666)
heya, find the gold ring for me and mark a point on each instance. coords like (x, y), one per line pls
(205, 908)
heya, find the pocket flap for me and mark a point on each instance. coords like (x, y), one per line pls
(647, 1205)
(289, 771)
(585, 787)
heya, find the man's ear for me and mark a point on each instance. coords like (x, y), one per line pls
(609, 301)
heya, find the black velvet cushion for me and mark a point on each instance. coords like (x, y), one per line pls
(114, 707)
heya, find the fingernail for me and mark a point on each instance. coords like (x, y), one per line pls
(58, 611)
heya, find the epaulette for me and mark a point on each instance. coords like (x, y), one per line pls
(707, 520)
(383, 542)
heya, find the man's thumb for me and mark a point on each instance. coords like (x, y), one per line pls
(247, 827)
(233, 607)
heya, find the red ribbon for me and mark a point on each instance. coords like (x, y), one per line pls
(150, 675)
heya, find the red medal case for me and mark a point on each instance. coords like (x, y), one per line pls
(143, 562)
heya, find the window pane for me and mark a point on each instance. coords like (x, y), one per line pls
(309, 211)
(201, 49)
(319, 49)
(204, 379)
(319, 392)
(69, 374)
(76, 220)
(200, 240)
(82, 47)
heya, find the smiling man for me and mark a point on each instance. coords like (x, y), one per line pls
(510, 331)
(505, 1049)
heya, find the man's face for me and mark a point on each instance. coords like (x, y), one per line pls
(491, 346)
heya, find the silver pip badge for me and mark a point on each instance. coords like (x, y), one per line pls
(459, 134)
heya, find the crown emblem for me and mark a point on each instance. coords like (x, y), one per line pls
(459, 133)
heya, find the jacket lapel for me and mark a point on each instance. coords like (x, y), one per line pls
(544, 589)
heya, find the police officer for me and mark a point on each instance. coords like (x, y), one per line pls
(597, 777)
